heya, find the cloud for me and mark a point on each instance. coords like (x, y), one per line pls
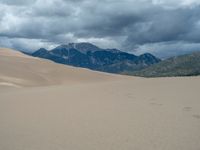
(162, 27)
(168, 25)
(167, 49)
(24, 44)
(16, 2)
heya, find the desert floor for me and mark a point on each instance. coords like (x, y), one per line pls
(46, 106)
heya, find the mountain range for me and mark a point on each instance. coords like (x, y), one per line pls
(87, 55)
(185, 65)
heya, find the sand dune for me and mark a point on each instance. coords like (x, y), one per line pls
(87, 110)
(21, 70)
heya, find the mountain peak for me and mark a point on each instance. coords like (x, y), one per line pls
(146, 54)
(83, 47)
(42, 49)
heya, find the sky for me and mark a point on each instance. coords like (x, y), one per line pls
(164, 28)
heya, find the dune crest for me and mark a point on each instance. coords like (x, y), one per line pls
(22, 70)
(13, 53)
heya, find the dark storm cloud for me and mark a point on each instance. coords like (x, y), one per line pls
(133, 25)
(168, 25)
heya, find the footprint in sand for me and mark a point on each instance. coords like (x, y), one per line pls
(156, 104)
(130, 95)
(187, 108)
(152, 99)
(196, 116)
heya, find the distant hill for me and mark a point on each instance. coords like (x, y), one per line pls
(185, 65)
(87, 55)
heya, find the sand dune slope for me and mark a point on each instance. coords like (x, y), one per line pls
(94, 111)
(18, 70)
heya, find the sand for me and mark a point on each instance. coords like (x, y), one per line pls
(24, 71)
(56, 107)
